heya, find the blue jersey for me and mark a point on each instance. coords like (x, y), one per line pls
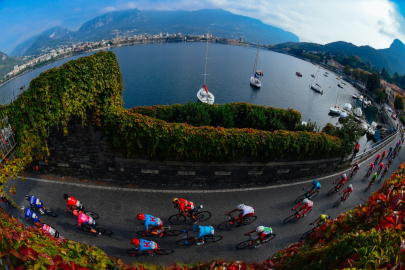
(151, 220)
(35, 202)
(205, 231)
(146, 245)
(30, 214)
(316, 185)
(390, 148)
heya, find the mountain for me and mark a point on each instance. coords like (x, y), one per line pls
(219, 22)
(395, 54)
(7, 63)
(54, 33)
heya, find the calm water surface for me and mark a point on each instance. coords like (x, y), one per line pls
(160, 74)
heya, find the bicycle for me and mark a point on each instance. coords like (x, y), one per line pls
(352, 174)
(86, 228)
(179, 218)
(4, 200)
(134, 252)
(382, 176)
(367, 174)
(43, 210)
(251, 243)
(296, 215)
(379, 170)
(166, 231)
(188, 240)
(341, 200)
(376, 161)
(336, 188)
(227, 225)
(307, 195)
(369, 185)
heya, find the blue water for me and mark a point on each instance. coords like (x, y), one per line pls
(169, 73)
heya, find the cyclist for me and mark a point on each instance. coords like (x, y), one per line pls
(35, 203)
(355, 167)
(185, 206)
(261, 234)
(390, 160)
(51, 231)
(371, 168)
(380, 167)
(202, 231)
(306, 205)
(72, 203)
(315, 186)
(346, 192)
(245, 210)
(394, 154)
(321, 219)
(31, 215)
(342, 179)
(156, 222)
(383, 155)
(389, 151)
(377, 158)
(399, 148)
(385, 170)
(373, 178)
(82, 218)
(144, 246)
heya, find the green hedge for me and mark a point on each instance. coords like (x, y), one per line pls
(230, 115)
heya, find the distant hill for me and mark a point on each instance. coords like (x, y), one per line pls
(7, 64)
(219, 22)
(392, 58)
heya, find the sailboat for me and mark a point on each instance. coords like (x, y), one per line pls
(203, 94)
(254, 79)
(316, 86)
(335, 109)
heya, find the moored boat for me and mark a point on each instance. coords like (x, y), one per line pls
(355, 96)
(298, 74)
(203, 94)
(335, 110)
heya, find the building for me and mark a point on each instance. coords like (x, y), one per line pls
(335, 64)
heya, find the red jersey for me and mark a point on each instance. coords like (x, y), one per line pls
(184, 205)
(71, 201)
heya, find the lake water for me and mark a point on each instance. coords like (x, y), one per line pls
(169, 73)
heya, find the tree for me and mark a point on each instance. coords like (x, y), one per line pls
(373, 82)
(346, 70)
(399, 103)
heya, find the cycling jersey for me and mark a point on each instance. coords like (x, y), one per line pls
(309, 205)
(35, 202)
(371, 166)
(205, 231)
(373, 177)
(71, 201)
(384, 153)
(343, 180)
(153, 221)
(347, 190)
(378, 157)
(86, 219)
(185, 205)
(390, 148)
(32, 215)
(316, 185)
(267, 231)
(50, 230)
(247, 210)
(381, 165)
(145, 245)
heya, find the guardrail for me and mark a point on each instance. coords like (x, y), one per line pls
(367, 151)
(7, 140)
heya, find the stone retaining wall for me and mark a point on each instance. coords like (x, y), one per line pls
(85, 153)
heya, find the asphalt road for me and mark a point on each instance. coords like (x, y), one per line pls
(118, 210)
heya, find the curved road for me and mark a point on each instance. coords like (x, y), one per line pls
(118, 208)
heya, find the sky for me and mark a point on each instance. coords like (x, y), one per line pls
(362, 22)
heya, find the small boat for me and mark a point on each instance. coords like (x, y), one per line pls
(337, 78)
(259, 72)
(335, 110)
(344, 114)
(254, 79)
(358, 112)
(347, 107)
(312, 75)
(339, 85)
(343, 83)
(203, 95)
(298, 74)
(355, 96)
(317, 88)
(326, 72)
(325, 75)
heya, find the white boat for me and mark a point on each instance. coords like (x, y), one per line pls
(337, 78)
(203, 94)
(361, 98)
(339, 85)
(355, 96)
(358, 112)
(254, 79)
(259, 72)
(335, 110)
(344, 114)
(312, 75)
(325, 75)
(316, 86)
(347, 107)
(343, 83)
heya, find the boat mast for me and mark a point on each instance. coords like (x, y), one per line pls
(206, 59)
(337, 96)
(257, 56)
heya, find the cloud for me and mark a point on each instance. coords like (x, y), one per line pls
(108, 9)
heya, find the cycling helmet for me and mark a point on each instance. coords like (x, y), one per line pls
(175, 200)
(351, 186)
(344, 175)
(260, 229)
(305, 201)
(65, 196)
(75, 212)
(27, 197)
(240, 206)
(141, 216)
(135, 242)
(357, 163)
(22, 207)
(195, 228)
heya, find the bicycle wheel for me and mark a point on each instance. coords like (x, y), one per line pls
(337, 202)
(203, 216)
(185, 242)
(244, 244)
(172, 232)
(300, 198)
(316, 192)
(50, 213)
(177, 219)
(226, 225)
(333, 190)
(104, 231)
(164, 251)
(248, 220)
(92, 214)
(289, 218)
(308, 233)
(269, 237)
(212, 238)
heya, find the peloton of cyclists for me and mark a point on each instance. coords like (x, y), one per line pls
(156, 222)
(315, 186)
(246, 211)
(306, 206)
(144, 246)
(261, 232)
(202, 231)
(185, 206)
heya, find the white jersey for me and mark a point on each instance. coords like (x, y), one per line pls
(247, 210)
